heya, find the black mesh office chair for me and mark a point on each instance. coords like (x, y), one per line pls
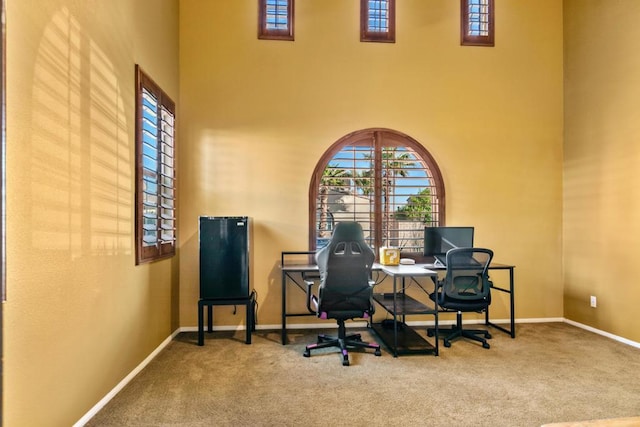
(465, 288)
(345, 290)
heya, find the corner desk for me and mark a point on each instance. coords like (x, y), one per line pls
(295, 274)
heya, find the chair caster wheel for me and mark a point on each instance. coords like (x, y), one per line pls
(485, 345)
(345, 362)
(377, 352)
(430, 333)
(487, 336)
(306, 353)
(447, 344)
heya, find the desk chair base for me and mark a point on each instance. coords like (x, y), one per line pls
(343, 341)
(457, 331)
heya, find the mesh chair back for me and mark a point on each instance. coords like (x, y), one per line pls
(345, 270)
(467, 280)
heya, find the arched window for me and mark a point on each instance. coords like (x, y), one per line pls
(383, 179)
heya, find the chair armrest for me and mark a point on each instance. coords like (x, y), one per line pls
(437, 291)
(311, 299)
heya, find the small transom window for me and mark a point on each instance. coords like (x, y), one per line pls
(378, 21)
(477, 26)
(275, 19)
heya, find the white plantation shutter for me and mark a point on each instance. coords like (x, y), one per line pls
(377, 21)
(275, 19)
(477, 23)
(381, 179)
(155, 182)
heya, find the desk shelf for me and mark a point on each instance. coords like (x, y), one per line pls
(409, 341)
(403, 340)
(404, 304)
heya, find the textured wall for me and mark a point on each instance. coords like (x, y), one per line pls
(257, 115)
(601, 157)
(80, 315)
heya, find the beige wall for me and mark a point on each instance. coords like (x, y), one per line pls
(257, 115)
(601, 180)
(80, 315)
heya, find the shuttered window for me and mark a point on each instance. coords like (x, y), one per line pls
(477, 23)
(275, 19)
(155, 172)
(384, 180)
(378, 21)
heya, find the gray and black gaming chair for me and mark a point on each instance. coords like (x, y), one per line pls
(465, 288)
(345, 290)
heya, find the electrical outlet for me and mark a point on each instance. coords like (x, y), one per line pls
(593, 301)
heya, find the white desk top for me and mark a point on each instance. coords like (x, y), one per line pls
(413, 270)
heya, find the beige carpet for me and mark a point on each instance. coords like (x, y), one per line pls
(549, 373)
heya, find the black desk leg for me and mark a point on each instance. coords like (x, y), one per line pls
(284, 309)
(209, 318)
(513, 304)
(512, 307)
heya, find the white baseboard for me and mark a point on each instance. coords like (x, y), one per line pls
(361, 324)
(603, 333)
(98, 406)
(151, 356)
(330, 325)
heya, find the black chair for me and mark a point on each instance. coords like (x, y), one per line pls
(345, 290)
(465, 288)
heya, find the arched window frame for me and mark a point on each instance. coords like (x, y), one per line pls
(376, 138)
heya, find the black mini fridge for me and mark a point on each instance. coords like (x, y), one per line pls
(224, 257)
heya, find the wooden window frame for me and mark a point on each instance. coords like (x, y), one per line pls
(162, 248)
(377, 36)
(265, 33)
(376, 138)
(476, 40)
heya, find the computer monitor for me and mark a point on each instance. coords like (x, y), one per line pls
(438, 240)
